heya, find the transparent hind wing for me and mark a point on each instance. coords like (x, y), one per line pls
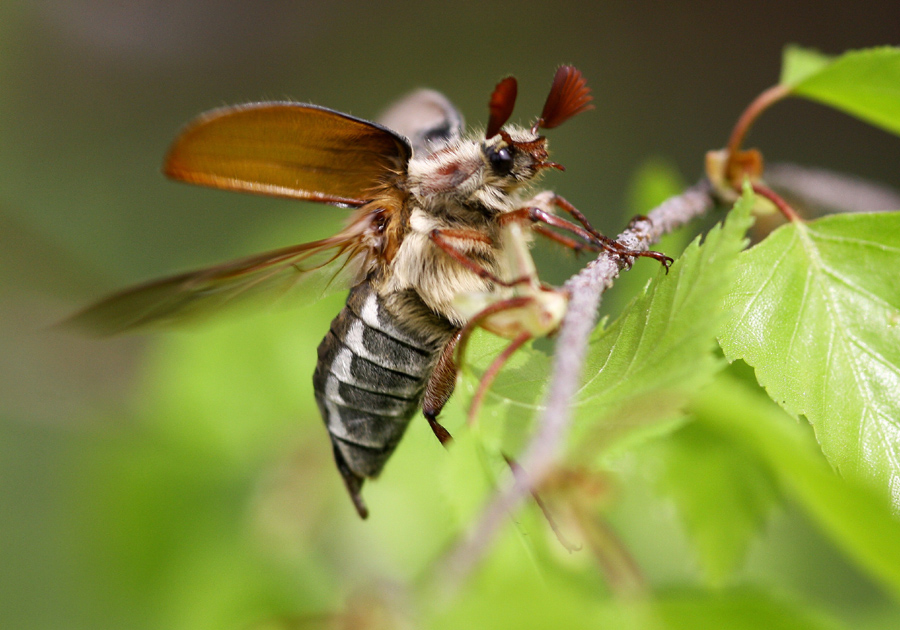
(296, 275)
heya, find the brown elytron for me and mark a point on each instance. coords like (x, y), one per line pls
(428, 227)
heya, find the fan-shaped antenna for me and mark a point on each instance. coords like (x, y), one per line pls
(569, 95)
(503, 100)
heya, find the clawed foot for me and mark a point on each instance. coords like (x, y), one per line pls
(442, 434)
(615, 247)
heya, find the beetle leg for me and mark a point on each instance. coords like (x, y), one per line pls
(665, 261)
(440, 238)
(439, 388)
(443, 379)
(566, 241)
(536, 214)
(565, 205)
(491, 373)
(472, 324)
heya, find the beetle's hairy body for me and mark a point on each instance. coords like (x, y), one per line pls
(381, 350)
(451, 191)
(432, 209)
(371, 375)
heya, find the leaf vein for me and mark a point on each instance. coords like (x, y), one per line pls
(835, 238)
(758, 292)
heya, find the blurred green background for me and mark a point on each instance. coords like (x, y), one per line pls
(184, 480)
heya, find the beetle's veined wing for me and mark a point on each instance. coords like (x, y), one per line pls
(281, 149)
(288, 150)
(427, 118)
(298, 274)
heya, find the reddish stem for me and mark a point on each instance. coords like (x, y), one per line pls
(783, 206)
(760, 104)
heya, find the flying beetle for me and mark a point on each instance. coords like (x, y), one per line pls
(437, 218)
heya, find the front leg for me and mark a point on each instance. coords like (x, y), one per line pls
(539, 211)
(541, 217)
(565, 205)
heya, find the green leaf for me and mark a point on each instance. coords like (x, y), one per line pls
(641, 369)
(798, 63)
(508, 592)
(564, 599)
(864, 83)
(858, 521)
(737, 609)
(722, 491)
(654, 182)
(504, 422)
(816, 311)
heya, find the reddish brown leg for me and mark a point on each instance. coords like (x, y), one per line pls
(439, 238)
(564, 204)
(519, 473)
(491, 373)
(443, 379)
(565, 241)
(665, 261)
(473, 323)
(609, 244)
(439, 388)
(537, 215)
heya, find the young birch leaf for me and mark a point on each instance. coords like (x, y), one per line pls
(864, 83)
(737, 609)
(798, 63)
(856, 519)
(816, 311)
(640, 370)
(722, 491)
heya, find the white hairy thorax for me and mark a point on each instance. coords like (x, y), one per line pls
(457, 188)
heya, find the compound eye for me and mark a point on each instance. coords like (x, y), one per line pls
(501, 160)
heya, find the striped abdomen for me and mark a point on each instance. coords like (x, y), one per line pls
(370, 379)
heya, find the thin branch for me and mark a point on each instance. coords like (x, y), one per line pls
(586, 288)
(828, 191)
